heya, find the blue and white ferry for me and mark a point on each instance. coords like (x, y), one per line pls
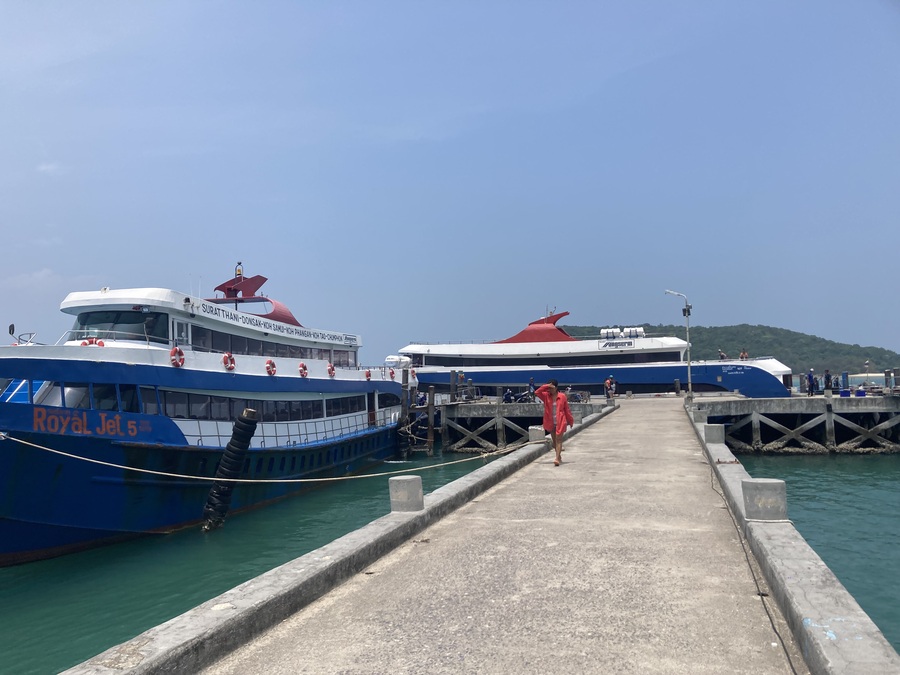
(116, 430)
(638, 363)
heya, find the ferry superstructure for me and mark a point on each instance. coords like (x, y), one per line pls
(116, 430)
(637, 362)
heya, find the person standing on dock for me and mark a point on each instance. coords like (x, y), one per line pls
(810, 383)
(557, 414)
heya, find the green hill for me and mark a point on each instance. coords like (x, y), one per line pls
(797, 350)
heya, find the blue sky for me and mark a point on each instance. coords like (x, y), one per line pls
(449, 171)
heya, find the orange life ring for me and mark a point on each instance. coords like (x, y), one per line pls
(176, 357)
(228, 361)
(92, 341)
(368, 374)
(304, 371)
(270, 367)
(392, 373)
(330, 370)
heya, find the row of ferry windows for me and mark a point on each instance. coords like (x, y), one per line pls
(264, 465)
(206, 340)
(179, 404)
(154, 327)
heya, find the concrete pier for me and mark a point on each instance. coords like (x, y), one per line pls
(626, 558)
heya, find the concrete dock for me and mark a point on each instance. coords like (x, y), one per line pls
(650, 550)
(624, 559)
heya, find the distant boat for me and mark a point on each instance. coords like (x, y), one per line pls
(639, 363)
(103, 434)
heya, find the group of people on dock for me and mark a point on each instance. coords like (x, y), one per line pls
(814, 385)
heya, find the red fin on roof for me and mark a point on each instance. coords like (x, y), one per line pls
(542, 330)
(243, 289)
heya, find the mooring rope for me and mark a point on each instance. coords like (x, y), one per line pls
(502, 451)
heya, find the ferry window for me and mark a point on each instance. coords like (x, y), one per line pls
(129, 396)
(237, 407)
(306, 353)
(294, 352)
(312, 410)
(268, 411)
(155, 326)
(219, 409)
(78, 396)
(282, 411)
(221, 342)
(282, 351)
(257, 406)
(50, 393)
(149, 401)
(254, 347)
(239, 344)
(181, 332)
(388, 400)
(176, 404)
(342, 358)
(199, 406)
(105, 397)
(295, 411)
(201, 338)
(268, 348)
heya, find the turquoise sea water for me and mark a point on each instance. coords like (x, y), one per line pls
(57, 613)
(848, 509)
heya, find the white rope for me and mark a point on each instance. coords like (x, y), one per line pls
(508, 449)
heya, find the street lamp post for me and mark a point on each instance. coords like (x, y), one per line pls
(687, 323)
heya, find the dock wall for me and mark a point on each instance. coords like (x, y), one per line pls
(834, 633)
(204, 634)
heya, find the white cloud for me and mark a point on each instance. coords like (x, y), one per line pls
(51, 168)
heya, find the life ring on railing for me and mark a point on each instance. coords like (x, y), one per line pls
(392, 373)
(330, 370)
(368, 374)
(304, 371)
(270, 367)
(176, 357)
(412, 373)
(228, 360)
(92, 341)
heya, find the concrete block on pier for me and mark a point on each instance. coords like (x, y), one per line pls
(536, 434)
(577, 414)
(764, 499)
(406, 493)
(700, 415)
(714, 433)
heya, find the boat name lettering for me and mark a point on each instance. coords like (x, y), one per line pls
(618, 344)
(275, 326)
(68, 422)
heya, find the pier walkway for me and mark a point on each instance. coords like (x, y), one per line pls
(624, 559)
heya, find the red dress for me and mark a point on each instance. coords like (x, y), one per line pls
(563, 412)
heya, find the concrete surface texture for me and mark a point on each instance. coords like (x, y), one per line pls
(624, 559)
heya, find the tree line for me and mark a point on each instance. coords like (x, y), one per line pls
(798, 351)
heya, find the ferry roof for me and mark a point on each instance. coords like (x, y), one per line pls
(203, 311)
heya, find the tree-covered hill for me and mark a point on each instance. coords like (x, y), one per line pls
(797, 350)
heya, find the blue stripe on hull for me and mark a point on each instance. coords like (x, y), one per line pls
(186, 378)
(749, 380)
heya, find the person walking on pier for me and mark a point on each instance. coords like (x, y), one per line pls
(557, 414)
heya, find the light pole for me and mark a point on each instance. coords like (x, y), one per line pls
(687, 323)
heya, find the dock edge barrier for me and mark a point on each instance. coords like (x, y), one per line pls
(835, 635)
(205, 634)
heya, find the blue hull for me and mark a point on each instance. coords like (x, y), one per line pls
(51, 504)
(747, 379)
